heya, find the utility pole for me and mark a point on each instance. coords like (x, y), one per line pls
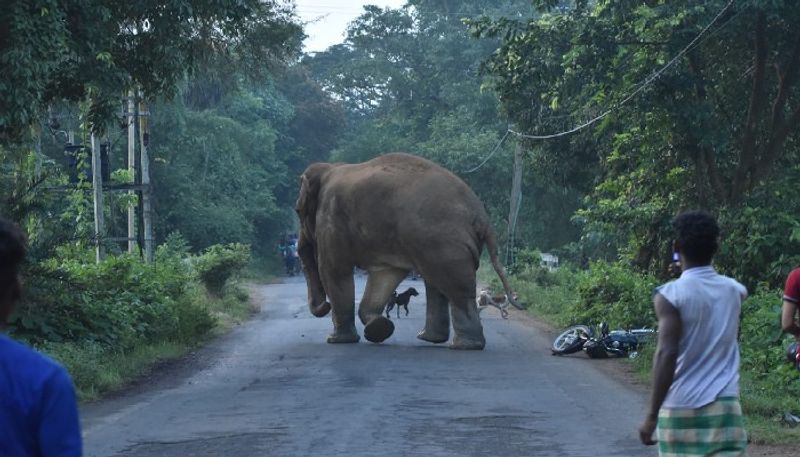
(131, 108)
(144, 140)
(97, 187)
(515, 203)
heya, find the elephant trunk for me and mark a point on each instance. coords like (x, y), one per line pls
(306, 207)
(317, 303)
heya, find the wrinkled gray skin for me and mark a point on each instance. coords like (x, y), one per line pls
(390, 215)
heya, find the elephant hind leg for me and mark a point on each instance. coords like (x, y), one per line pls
(437, 316)
(466, 324)
(380, 285)
(458, 285)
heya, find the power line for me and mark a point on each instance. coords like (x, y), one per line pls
(496, 148)
(649, 80)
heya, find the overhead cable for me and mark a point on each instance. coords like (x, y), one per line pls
(496, 148)
(649, 80)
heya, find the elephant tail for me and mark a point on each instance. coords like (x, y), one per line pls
(491, 244)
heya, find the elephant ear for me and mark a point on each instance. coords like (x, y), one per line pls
(308, 199)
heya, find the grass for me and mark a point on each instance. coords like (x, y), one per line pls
(763, 403)
(262, 270)
(97, 369)
(231, 309)
(764, 407)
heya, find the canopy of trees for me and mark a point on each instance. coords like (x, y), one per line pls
(693, 105)
(411, 80)
(231, 115)
(716, 130)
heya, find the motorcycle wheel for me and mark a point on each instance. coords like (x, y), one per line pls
(570, 341)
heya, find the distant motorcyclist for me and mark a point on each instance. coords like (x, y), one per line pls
(285, 251)
(295, 257)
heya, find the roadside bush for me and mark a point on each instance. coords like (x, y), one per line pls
(550, 298)
(106, 322)
(219, 263)
(762, 343)
(608, 292)
(118, 302)
(528, 267)
(613, 293)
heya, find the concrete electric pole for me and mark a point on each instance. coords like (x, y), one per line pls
(97, 187)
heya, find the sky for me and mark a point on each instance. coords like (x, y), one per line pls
(328, 19)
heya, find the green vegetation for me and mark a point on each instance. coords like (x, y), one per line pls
(227, 132)
(611, 292)
(694, 105)
(103, 321)
(218, 263)
(717, 129)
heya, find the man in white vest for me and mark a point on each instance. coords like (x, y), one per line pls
(695, 408)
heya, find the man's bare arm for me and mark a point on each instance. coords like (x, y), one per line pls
(664, 361)
(666, 356)
(788, 322)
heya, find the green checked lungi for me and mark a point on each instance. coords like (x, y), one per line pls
(716, 429)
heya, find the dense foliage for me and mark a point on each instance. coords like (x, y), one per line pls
(682, 105)
(411, 81)
(93, 316)
(612, 293)
(219, 263)
(95, 50)
(119, 302)
(227, 118)
(716, 129)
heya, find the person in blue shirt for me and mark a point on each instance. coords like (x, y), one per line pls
(38, 409)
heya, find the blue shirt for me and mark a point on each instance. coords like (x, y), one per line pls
(708, 353)
(38, 410)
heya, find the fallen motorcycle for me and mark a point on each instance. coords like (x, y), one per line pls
(602, 343)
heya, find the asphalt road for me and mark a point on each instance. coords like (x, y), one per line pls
(273, 387)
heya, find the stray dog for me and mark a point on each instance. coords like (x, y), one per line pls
(400, 300)
(486, 299)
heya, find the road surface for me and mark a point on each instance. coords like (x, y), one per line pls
(273, 387)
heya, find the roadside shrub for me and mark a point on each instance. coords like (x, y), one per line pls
(762, 343)
(118, 303)
(550, 298)
(613, 293)
(83, 361)
(528, 267)
(219, 263)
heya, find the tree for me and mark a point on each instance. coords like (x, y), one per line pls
(686, 138)
(94, 50)
(411, 80)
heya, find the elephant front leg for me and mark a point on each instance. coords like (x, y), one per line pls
(437, 317)
(341, 292)
(380, 285)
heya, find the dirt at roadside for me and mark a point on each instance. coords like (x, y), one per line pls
(623, 372)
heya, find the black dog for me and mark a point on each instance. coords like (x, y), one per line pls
(400, 300)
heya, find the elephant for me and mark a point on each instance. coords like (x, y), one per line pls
(391, 215)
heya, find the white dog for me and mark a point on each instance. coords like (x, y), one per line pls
(486, 299)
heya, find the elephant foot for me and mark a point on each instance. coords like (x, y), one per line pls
(378, 329)
(335, 338)
(468, 343)
(432, 337)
